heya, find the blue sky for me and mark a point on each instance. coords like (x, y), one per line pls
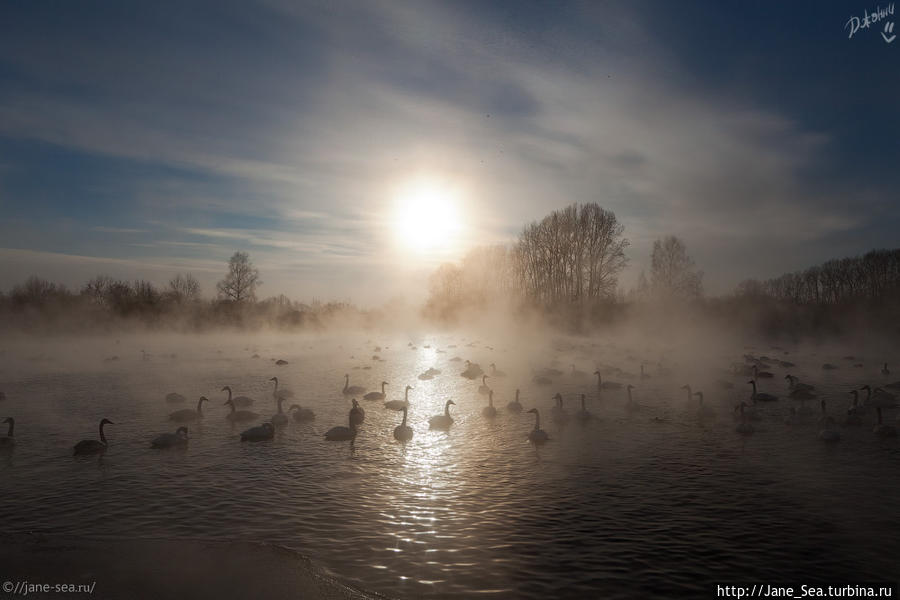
(147, 139)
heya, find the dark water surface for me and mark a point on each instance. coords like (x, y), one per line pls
(623, 505)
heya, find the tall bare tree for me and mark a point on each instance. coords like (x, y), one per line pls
(241, 281)
(673, 274)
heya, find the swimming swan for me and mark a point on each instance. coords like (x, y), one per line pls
(260, 433)
(8, 441)
(515, 405)
(399, 404)
(93, 446)
(403, 432)
(351, 390)
(340, 433)
(443, 421)
(170, 440)
(537, 435)
(489, 411)
(189, 414)
(302, 414)
(239, 415)
(357, 413)
(376, 395)
(239, 401)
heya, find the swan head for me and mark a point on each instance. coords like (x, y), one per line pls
(751, 381)
(686, 387)
(203, 399)
(866, 387)
(699, 395)
(106, 422)
(386, 383)
(597, 372)
(409, 387)
(294, 407)
(533, 410)
(558, 397)
(788, 377)
(182, 431)
(227, 388)
(355, 403)
(275, 379)
(9, 420)
(630, 387)
(449, 402)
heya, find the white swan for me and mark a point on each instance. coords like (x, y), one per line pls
(376, 395)
(340, 433)
(631, 406)
(260, 433)
(282, 393)
(239, 401)
(704, 411)
(8, 441)
(239, 415)
(794, 384)
(170, 440)
(302, 414)
(515, 405)
(606, 385)
(690, 393)
(93, 446)
(495, 372)
(399, 404)
(537, 435)
(483, 389)
(357, 413)
(403, 432)
(882, 430)
(351, 390)
(489, 411)
(583, 414)
(760, 396)
(189, 414)
(558, 413)
(175, 398)
(279, 419)
(443, 421)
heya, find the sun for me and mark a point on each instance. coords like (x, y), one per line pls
(426, 215)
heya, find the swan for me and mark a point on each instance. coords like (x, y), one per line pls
(376, 395)
(885, 371)
(541, 379)
(743, 427)
(399, 404)
(239, 415)
(583, 414)
(473, 371)
(279, 419)
(351, 390)
(558, 413)
(760, 396)
(260, 433)
(239, 401)
(879, 397)
(175, 398)
(284, 394)
(882, 430)
(757, 374)
(537, 435)
(631, 406)
(644, 375)
(795, 385)
(93, 446)
(489, 411)
(690, 394)
(515, 405)
(357, 413)
(606, 385)
(403, 432)
(340, 433)
(189, 414)
(443, 421)
(495, 372)
(302, 414)
(704, 411)
(170, 440)
(483, 389)
(577, 373)
(8, 441)
(825, 421)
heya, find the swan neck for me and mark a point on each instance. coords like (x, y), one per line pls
(12, 426)
(403, 422)
(102, 436)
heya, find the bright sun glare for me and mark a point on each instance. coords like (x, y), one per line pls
(426, 215)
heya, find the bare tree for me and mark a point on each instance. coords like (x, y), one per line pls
(241, 281)
(184, 288)
(672, 272)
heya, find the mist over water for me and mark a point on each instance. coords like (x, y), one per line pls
(627, 503)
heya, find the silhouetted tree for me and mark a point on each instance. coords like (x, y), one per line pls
(184, 288)
(241, 281)
(672, 272)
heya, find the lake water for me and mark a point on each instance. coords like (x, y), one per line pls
(656, 502)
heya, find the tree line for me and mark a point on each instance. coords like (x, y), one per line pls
(103, 300)
(872, 277)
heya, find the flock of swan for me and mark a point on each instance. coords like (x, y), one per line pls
(745, 413)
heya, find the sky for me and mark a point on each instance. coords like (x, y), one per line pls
(142, 140)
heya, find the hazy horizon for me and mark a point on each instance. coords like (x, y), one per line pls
(144, 142)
